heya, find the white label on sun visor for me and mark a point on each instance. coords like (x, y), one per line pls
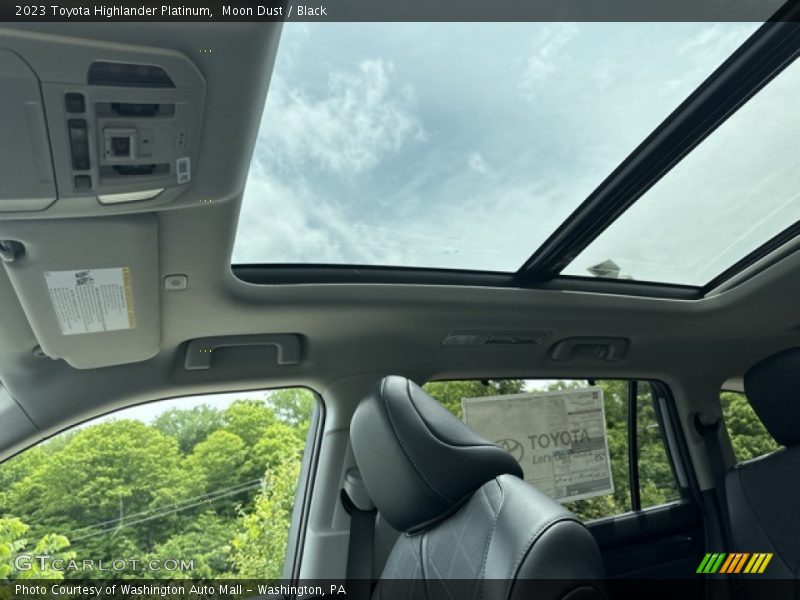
(92, 300)
(559, 438)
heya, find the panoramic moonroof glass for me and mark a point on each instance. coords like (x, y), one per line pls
(454, 145)
(738, 189)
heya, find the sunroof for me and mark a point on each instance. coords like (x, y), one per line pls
(457, 145)
(738, 189)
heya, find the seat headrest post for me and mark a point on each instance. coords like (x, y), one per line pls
(356, 491)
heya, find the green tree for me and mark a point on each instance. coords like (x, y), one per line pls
(205, 540)
(107, 476)
(17, 468)
(248, 419)
(258, 548)
(220, 460)
(748, 435)
(656, 478)
(279, 441)
(293, 406)
(189, 426)
(124, 488)
(14, 544)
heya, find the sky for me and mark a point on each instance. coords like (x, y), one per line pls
(149, 411)
(464, 145)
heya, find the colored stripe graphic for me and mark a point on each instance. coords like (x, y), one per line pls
(755, 561)
(703, 563)
(711, 562)
(758, 563)
(742, 562)
(730, 561)
(737, 563)
(767, 558)
(717, 563)
(734, 562)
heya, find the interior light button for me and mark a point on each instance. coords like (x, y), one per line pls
(83, 183)
(79, 144)
(74, 103)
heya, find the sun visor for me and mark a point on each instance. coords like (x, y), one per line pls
(93, 305)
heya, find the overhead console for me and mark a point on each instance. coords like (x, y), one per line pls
(94, 123)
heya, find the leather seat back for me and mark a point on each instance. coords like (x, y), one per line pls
(470, 526)
(764, 494)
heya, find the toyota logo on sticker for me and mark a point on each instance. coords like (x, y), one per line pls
(513, 447)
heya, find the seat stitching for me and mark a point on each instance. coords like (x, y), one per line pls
(441, 579)
(403, 446)
(491, 533)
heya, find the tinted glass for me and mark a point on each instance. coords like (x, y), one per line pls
(454, 145)
(735, 191)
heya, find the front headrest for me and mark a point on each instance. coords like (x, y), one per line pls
(417, 460)
(773, 388)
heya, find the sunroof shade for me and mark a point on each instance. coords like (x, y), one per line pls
(738, 189)
(458, 146)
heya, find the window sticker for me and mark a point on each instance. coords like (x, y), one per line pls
(92, 300)
(559, 438)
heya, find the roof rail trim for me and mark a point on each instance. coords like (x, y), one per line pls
(280, 274)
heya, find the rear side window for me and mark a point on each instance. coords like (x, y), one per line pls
(749, 437)
(572, 438)
(199, 488)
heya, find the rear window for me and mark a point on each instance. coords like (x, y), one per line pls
(572, 438)
(749, 438)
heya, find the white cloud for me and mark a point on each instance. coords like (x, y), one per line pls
(606, 72)
(713, 44)
(550, 43)
(276, 222)
(294, 221)
(363, 115)
(477, 163)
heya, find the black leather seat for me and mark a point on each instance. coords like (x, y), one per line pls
(471, 526)
(764, 494)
